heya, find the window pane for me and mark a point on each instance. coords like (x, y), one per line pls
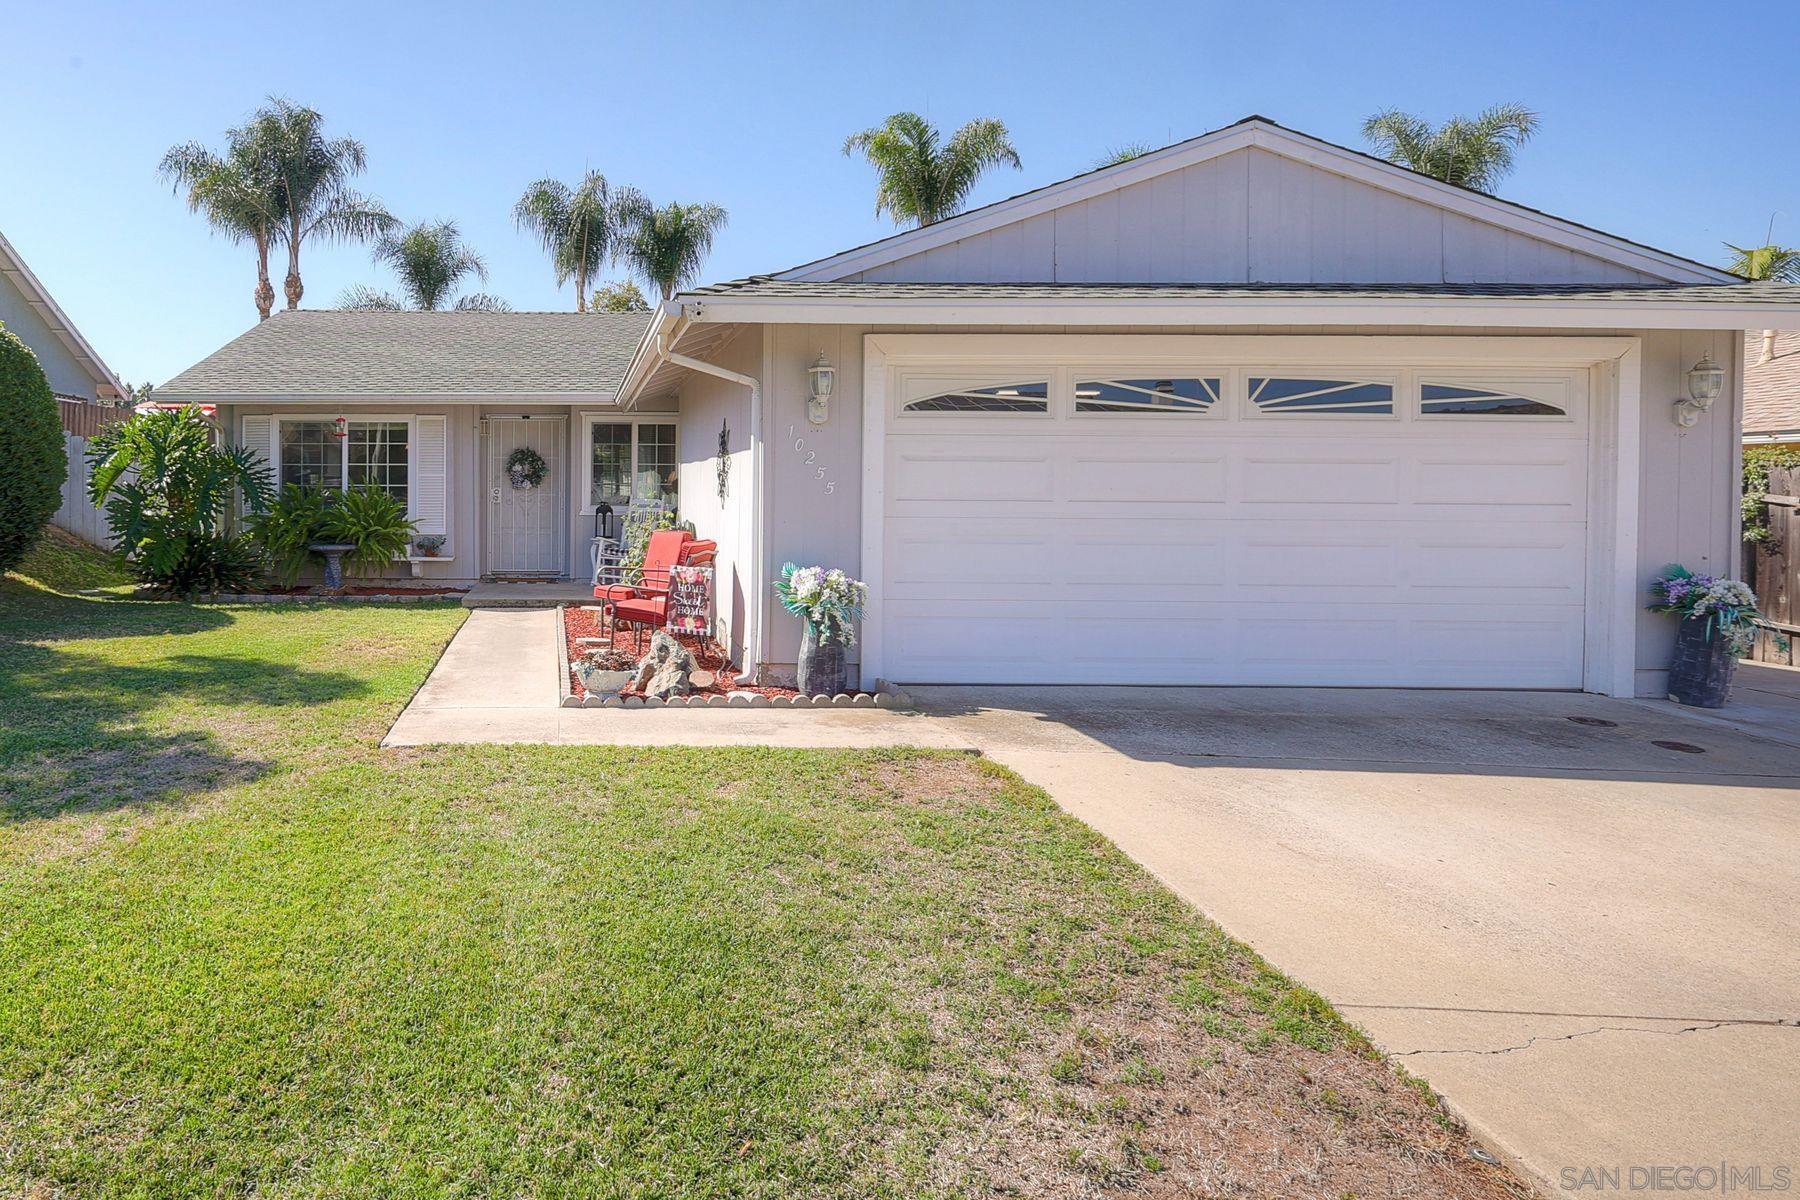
(310, 456)
(1320, 396)
(1146, 395)
(1002, 398)
(658, 465)
(611, 449)
(1440, 399)
(378, 456)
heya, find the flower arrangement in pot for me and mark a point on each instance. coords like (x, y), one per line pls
(828, 602)
(429, 545)
(1718, 626)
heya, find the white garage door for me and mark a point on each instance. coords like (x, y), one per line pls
(1235, 525)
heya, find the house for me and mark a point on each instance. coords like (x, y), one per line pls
(75, 370)
(1771, 388)
(1251, 409)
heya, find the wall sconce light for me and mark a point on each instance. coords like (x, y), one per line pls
(823, 377)
(1705, 380)
(340, 428)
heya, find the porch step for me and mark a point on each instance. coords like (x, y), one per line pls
(533, 594)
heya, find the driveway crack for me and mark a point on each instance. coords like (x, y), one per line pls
(1569, 1037)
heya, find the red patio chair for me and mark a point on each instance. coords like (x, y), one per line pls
(663, 551)
(648, 609)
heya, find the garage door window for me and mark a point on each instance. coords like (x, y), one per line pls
(1455, 400)
(1320, 397)
(1147, 395)
(1031, 397)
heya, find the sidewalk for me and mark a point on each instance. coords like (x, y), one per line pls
(497, 683)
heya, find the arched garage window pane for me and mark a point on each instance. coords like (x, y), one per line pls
(1149, 395)
(1001, 398)
(1449, 400)
(1317, 397)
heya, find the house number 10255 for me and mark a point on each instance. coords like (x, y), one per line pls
(808, 458)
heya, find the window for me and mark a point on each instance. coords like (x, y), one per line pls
(1001, 398)
(1454, 400)
(377, 455)
(631, 463)
(1334, 397)
(1147, 395)
(370, 454)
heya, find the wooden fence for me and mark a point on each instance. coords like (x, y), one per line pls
(1772, 567)
(81, 421)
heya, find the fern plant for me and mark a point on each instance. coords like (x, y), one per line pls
(299, 518)
(372, 521)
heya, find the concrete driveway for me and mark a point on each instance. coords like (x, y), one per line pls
(1589, 943)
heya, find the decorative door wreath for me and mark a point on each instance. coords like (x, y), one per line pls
(526, 468)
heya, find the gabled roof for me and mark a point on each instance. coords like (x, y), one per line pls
(331, 355)
(1772, 388)
(38, 297)
(1263, 133)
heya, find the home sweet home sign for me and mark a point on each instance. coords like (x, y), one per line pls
(691, 601)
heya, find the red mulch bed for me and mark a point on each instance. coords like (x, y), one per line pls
(635, 640)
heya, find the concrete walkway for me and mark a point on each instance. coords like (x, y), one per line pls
(1588, 943)
(497, 683)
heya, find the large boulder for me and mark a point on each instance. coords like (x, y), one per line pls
(664, 671)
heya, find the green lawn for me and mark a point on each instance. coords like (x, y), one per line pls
(246, 952)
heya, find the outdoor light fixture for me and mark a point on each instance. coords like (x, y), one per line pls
(340, 428)
(1705, 380)
(823, 377)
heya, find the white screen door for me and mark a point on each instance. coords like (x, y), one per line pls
(525, 524)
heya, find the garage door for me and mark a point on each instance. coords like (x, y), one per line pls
(1235, 525)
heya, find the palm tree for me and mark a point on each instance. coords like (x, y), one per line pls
(315, 172)
(667, 245)
(578, 226)
(238, 193)
(1123, 154)
(1778, 263)
(922, 181)
(619, 296)
(1473, 152)
(430, 260)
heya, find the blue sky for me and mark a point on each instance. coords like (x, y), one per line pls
(1650, 129)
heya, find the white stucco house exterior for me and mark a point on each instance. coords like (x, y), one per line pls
(1251, 409)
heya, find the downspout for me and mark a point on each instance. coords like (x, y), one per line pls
(752, 635)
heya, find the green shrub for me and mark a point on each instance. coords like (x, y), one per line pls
(169, 491)
(287, 529)
(32, 466)
(368, 519)
(375, 523)
(639, 525)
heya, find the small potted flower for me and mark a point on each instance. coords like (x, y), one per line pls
(828, 602)
(428, 545)
(1718, 627)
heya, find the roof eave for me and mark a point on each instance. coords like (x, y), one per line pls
(40, 298)
(1249, 310)
(385, 400)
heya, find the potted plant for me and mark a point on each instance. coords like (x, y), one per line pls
(1718, 626)
(828, 602)
(428, 545)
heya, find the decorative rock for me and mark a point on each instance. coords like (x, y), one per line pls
(702, 679)
(665, 670)
(863, 700)
(604, 683)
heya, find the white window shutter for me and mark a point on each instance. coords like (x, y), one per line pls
(259, 439)
(431, 474)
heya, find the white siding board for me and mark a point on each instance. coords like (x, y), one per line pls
(1251, 215)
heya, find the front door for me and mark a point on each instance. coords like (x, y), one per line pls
(525, 530)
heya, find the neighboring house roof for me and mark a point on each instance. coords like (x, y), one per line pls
(38, 297)
(1772, 388)
(332, 355)
(1262, 133)
(1741, 292)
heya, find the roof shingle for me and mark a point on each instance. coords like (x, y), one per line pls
(1771, 389)
(793, 289)
(422, 354)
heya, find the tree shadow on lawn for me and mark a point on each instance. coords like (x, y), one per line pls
(27, 612)
(74, 735)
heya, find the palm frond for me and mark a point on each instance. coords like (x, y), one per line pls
(1473, 152)
(577, 226)
(1780, 264)
(481, 302)
(921, 181)
(363, 298)
(669, 245)
(1122, 154)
